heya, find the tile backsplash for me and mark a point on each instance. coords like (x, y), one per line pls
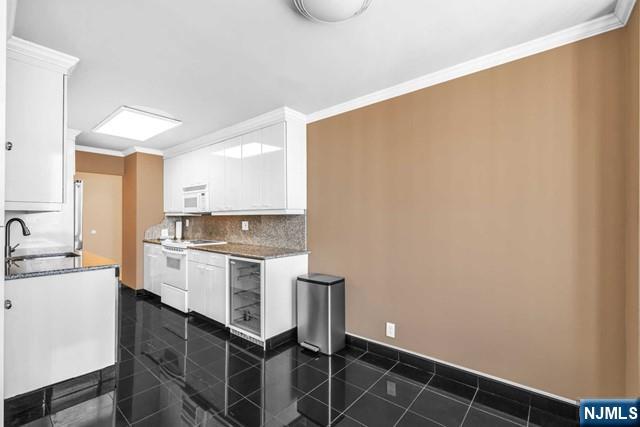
(281, 231)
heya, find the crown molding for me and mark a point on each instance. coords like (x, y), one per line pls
(72, 134)
(263, 120)
(12, 5)
(116, 153)
(610, 22)
(26, 51)
(96, 150)
(143, 150)
(623, 10)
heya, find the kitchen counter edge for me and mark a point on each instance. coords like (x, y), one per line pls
(245, 250)
(90, 262)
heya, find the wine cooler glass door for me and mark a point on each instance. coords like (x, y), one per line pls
(246, 295)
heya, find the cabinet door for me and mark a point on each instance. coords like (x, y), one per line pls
(58, 327)
(156, 270)
(148, 268)
(35, 127)
(251, 171)
(233, 174)
(193, 169)
(273, 167)
(200, 166)
(171, 185)
(217, 308)
(215, 158)
(197, 287)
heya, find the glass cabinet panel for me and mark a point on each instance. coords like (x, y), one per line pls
(246, 295)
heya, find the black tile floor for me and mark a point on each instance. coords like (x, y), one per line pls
(177, 370)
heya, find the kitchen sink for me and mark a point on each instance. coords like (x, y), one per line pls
(58, 255)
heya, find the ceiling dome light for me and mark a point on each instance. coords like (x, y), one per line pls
(331, 11)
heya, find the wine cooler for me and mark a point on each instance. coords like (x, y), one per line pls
(246, 298)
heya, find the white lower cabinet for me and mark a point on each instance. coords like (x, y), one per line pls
(262, 295)
(152, 268)
(207, 278)
(58, 327)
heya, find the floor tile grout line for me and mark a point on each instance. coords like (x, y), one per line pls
(424, 387)
(364, 391)
(152, 414)
(501, 417)
(460, 400)
(308, 394)
(368, 389)
(469, 408)
(420, 387)
(122, 414)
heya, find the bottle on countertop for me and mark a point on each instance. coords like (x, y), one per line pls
(178, 230)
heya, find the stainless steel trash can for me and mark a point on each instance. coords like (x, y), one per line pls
(321, 312)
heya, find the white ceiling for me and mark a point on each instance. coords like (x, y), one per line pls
(214, 63)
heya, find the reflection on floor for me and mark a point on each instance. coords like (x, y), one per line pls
(177, 370)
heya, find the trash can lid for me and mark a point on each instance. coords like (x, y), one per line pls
(321, 279)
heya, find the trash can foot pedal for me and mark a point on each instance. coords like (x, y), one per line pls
(310, 347)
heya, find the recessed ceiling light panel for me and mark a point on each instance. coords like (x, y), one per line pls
(331, 11)
(132, 123)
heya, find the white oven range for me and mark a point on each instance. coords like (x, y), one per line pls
(175, 281)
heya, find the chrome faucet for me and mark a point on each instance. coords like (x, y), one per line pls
(8, 250)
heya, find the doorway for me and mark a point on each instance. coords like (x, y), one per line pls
(102, 214)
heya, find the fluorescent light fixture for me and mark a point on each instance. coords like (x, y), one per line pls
(131, 123)
(245, 151)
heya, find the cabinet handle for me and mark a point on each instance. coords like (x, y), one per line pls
(9, 145)
(8, 304)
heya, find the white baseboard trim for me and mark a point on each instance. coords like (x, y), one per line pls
(472, 371)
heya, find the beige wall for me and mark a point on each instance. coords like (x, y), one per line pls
(102, 205)
(142, 207)
(150, 205)
(128, 275)
(487, 217)
(99, 163)
(632, 309)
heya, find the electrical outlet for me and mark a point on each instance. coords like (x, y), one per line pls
(245, 225)
(391, 330)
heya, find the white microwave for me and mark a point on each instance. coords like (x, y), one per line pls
(195, 198)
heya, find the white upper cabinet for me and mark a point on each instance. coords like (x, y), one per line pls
(172, 185)
(261, 168)
(232, 191)
(216, 158)
(252, 171)
(36, 123)
(274, 170)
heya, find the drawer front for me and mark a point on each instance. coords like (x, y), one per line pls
(209, 258)
(174, 297)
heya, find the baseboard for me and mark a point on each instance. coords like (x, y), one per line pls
(31, 406)
(538, 399)
(285, 337)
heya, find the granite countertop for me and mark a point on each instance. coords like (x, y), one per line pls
(244, 251)
(53, 265)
